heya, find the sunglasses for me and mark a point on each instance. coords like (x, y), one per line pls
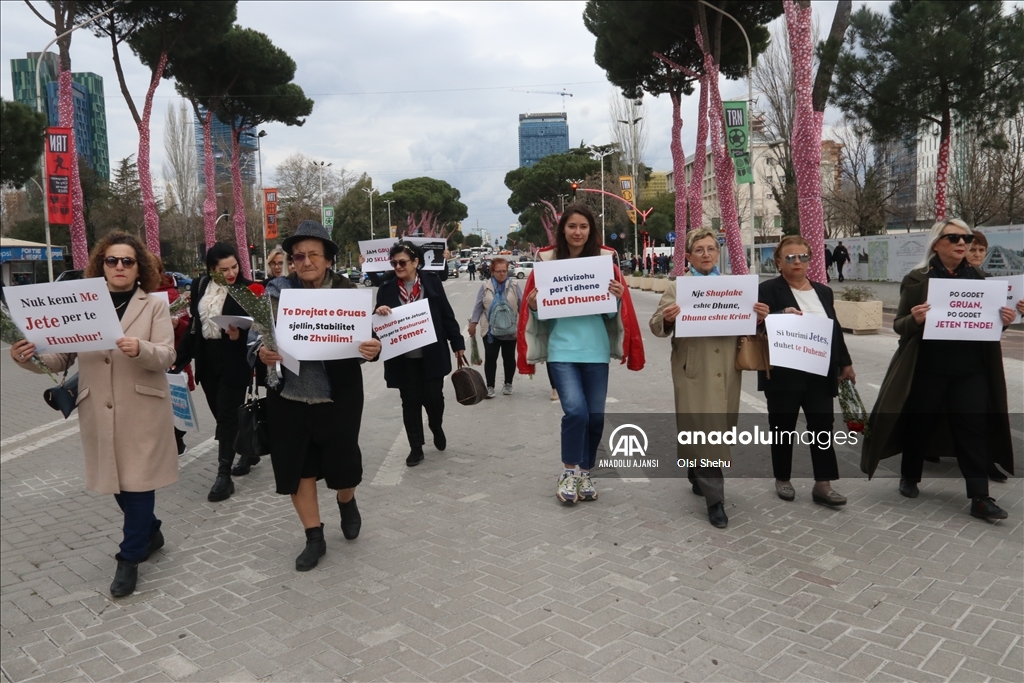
(792, 258)
(954, 238)
(300, 258)
(400, 262)
(126, 261)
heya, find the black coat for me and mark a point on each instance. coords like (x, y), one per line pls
(777, 295)
(219, 356)
(437, 360)
(840, 254)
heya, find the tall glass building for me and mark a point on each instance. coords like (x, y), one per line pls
(89, 105)
(541, 135)
(220, 135)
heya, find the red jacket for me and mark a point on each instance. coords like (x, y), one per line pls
(632, 350)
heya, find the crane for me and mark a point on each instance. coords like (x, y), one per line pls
(563, 93)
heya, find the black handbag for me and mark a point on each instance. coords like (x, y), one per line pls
(63, 396)
(253, 439)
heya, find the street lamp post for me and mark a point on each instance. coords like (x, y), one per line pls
(611, 151)
(369, 193)
(389, 202)
(39, 108)
(263, 204)
(562, 198)
(636, 188)
(321, 165)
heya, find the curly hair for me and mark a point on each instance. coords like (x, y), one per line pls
(149, 273)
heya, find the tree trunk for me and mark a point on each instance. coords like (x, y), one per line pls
(700, 158)
(149, 213)
(806, 139)
(679, 180)
(209, 170)
(942, 167)
(66, 118)
(725, 172)
(241, 237)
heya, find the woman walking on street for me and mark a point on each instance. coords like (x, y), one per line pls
(497, 312)
(221, 366)
(942, 397)
(419, 374)
(577, 351)
(124, 402)
(788, 390)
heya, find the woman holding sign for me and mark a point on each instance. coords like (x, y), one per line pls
(419, 374)
(577, 351)
(124, 401)
(942, 397)
(221, 366)
(788, 390)
(704, 375)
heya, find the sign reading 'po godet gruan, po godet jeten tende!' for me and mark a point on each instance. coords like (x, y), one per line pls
(965, 309)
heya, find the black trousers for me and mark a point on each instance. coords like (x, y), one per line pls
(419, 393)
(507, 348)
(961, 402)
(224, 401)
(783, 409)
(839, 269)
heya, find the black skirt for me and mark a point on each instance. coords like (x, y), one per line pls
(317, 440)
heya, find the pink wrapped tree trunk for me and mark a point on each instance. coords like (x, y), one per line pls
(210, 203)
(241, 237)
(700, 158)
(679, 179)
(151, 218)
(66, 118)
(549, 221)
(942, 175)
(806, 138)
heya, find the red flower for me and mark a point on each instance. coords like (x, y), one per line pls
(855, 425)
(256, 288)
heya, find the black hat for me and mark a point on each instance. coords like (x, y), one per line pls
(309, 229)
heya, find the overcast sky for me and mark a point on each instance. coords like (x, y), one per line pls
(403, 89)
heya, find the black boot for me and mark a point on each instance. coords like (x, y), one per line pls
(415, 456)
(316, 547)
(156, 541)
(245, 463)
(350, 519)
(223, 487)
(440, 440)
(125, 578)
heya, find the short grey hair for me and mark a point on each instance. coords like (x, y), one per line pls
(695, 236)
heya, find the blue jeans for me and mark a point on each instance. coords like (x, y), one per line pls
(140, 523)
(582, 388)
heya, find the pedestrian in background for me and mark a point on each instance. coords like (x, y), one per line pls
(497, 312)
(276, 261)
(840, 255)
(789, 390)
(313, 417)
(180, 321)
(124, 402)
(419, 374)
(577, 351)
(977, 252)
(220, 355)
(828, 265)
(942, 397)
(704, 375)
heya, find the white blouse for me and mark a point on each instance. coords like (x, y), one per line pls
(809, 302)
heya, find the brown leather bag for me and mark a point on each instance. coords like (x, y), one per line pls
(752, 353)
(469, 385)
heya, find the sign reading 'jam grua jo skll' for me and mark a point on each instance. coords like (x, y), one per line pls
(801, 342)
(573, 287)
(720, 306)
(58, 175)
(323, 324)
(965, 309)
(409, 327)
(377, 254)
(66, 317)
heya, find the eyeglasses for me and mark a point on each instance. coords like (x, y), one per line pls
(312, 256)
(792, 258)
(400, 262)
(702, 252)
(499, 272)
(126, 261)
(955, 237)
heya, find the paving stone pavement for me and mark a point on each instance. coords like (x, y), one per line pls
(467, 568)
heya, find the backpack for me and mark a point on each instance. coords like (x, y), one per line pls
(502, 318)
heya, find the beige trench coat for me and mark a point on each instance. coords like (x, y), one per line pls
(706, 382)
(124, 404)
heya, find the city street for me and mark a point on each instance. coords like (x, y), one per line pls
(467, 566)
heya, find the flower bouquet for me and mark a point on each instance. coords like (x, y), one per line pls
(11, 333)
(180, 304)
(854, 414)
(474, 351)
(256, 304)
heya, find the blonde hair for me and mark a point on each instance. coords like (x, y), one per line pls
(786, 241)
(935, 235)
(695, 236)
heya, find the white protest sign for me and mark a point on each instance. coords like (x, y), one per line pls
(965, 309)
(163, 296)
(433, 251)
(1014, 292)
(720, 306)
(242, 322)
(801, 342)
(66, 317)
(185, 416)
(573, 287)
(377, 254)
(323, 324)
(409, 327)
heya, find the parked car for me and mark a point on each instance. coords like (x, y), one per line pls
(523, 269)
(69, 275)
(183, 281)
(453, 268)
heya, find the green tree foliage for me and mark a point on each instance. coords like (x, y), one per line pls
(544, 181)
(22, 132)
(352, 215)
(415, 197)
(455, 240)
(473, 240)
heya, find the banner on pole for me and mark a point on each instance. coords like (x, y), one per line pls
(58, 174)
(737, 132)
(328, 216)
(626, 187)
(270, 211)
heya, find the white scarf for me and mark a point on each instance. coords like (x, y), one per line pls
(210, 305)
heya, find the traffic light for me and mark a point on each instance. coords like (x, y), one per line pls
(574, 187)
(252, 250)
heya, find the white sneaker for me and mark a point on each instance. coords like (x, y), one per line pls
(507, 390)
(490, 392)
(554, 394)
(568, 485)
(586, 488)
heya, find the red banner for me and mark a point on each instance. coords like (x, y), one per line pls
(270, 211)
(58, 174)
